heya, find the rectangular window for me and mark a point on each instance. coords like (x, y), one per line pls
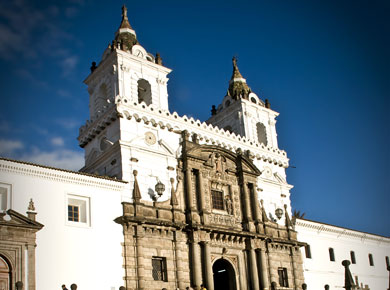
(387, 262)
(78, 210)
(5, 196)
(159, 269)
(308, 251)
(217, 199)
(73, 213)
(283, 278)
(353, 259)
(370, 259)
(331, 255)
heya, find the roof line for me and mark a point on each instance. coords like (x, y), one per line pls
(340, 227)
(64, 170)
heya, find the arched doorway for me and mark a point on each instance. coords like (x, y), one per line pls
(5, 274)
(224, 275)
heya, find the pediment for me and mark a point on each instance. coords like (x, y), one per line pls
(220, 157)
(12, 218)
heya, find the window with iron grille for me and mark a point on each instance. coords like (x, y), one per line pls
(159, 270)
(217, 199)
(73, 213)
(283, 278)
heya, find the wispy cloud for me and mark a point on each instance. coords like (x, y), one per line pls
(26, 75)
(9, 147)
(60, 158)
(68, 123)
(57, 141)
(68, 65)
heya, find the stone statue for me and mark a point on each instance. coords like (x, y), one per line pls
(229, 204)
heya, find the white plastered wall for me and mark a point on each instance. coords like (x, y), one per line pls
(88, 255)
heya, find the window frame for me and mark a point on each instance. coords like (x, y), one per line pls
(283, 277)
(73, 213)
(307, 251)
(8, 197)
(371, 260)
(215, 200)
(84, 210)
(162, 264)
(353, 257)
(332, 256)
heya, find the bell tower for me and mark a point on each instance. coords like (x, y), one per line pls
(126, 75)
(244, 113)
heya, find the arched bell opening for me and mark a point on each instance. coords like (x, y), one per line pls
(144, 92)
(224, 275)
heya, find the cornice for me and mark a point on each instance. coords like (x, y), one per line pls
(339, 231)
(206, 133)
(60, 175)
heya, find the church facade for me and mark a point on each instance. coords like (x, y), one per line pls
(163, 201)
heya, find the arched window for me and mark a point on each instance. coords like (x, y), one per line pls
(144, 92)
(101, 99)
(261, 133)
(331, 255)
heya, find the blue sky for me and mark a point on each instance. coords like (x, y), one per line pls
(324, 65)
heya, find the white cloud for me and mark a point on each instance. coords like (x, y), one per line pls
(60, 158)
(69, 64)
(8, 147)
(68, 123)
(57, 141)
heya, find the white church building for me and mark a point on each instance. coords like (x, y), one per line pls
(131, 128)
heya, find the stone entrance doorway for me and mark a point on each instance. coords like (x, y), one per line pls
(5, 275)
(224, 275)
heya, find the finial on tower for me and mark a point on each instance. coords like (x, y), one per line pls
(125, 21)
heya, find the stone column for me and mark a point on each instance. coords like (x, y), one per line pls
(188, 192)
(208, 267)
(31, 266)
(140, 258)
(264, 270)
(201, 192)
(253, 269)
(196, 265)
(248, 215)
(293, 266)
(179, 265)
